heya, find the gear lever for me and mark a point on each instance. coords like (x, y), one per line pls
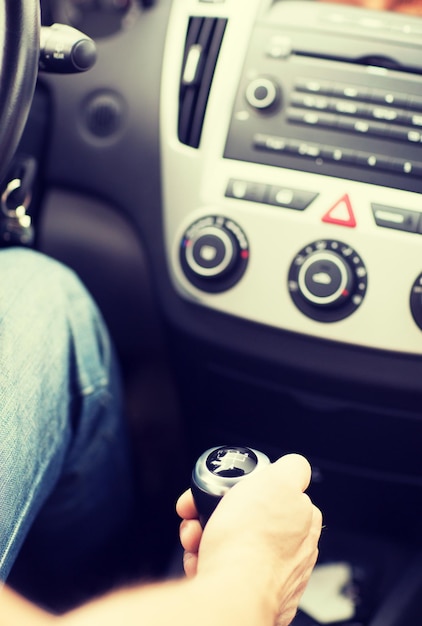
(217, 470)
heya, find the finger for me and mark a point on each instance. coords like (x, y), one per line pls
(317, 518)
(190, 564)
(295, 470)
(316, 513)
(190, 535)
(185, 506)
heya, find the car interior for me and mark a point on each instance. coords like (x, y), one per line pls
(238, 184)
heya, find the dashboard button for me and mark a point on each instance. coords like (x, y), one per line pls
(384, 113)
(341, 213)
(416, 119)
(375, 161)
(351, 92)
(396, 218)
(309, 101)
(309, 150)
(310, 85)
(340, 155)
(246, 190)
(405, 133)
(348, 107)
(389, 98)
(410, 168)
(262, 93)
(312, 118)
(272, 143)
(297, 199)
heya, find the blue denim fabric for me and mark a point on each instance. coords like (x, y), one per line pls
(66, 483)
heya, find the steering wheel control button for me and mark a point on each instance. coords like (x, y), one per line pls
(217, 470)
(214, 253)
(416, 301)
(262, 93)
(66, 50)
(327, 280)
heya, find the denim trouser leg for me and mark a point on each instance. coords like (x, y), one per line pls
(66, 492)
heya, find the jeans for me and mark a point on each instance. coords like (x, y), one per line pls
(67, 510)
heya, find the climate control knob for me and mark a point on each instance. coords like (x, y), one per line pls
(327, 280)
(416, 301)
(214, 253)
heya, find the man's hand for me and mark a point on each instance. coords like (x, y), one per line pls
(15, 610)
(249, 566)
(265, 530)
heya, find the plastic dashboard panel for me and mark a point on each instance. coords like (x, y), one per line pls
(252, 366)
(255, 366)
(276, 234)
(162, 186)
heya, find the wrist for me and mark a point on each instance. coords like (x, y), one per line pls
(245, 583)
(220, 597)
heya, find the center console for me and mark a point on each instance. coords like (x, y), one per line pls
(292, 178)
(296, 130)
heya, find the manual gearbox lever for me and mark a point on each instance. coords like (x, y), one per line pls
(217, 470)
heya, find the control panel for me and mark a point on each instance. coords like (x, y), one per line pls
(301, 206)
(336, 126)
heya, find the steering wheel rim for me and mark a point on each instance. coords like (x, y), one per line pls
(19, 57)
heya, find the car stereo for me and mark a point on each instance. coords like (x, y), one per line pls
(332, 90)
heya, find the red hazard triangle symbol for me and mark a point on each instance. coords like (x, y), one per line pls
(341, 213)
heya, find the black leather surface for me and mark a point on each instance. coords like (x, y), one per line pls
(18, 71)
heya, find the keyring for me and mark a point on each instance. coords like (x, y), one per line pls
(21, 209)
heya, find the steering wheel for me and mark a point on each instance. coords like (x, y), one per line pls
(19, 57)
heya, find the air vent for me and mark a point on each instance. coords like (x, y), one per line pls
(203, 43)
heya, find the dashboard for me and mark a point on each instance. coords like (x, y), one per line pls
(239, 186)
(304, 211)
(241, 183)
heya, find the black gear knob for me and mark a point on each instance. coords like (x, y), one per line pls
(217, 470)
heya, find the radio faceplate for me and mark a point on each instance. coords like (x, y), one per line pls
(324, 113)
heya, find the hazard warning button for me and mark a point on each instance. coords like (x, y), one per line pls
(341, 213)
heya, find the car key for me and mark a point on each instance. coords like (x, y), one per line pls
(217, 470)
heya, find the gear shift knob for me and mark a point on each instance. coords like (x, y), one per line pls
(217, 470)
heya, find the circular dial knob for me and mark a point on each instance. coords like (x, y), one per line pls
(327, 280)
(217, 470)
(214, 253)
(416, 301)
(262, 93)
